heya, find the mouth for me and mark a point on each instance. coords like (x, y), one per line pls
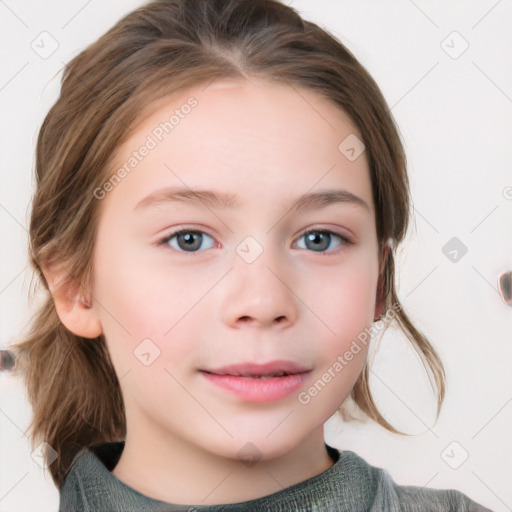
(259, 383)
(268, 370)
(268, 376)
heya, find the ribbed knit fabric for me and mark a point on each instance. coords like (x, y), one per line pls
(350, 485)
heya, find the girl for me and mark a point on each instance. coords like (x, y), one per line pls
(220, 191)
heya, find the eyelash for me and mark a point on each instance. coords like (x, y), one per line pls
(165, 240)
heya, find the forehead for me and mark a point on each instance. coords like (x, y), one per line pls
(248, 134)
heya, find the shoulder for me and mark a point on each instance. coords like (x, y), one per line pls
(73, 496)
(88, 483)
(90, 486)
(392, 497)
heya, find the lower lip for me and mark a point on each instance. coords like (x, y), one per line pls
(258, 390)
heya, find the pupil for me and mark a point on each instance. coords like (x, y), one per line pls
(189, 242)
(316, 239)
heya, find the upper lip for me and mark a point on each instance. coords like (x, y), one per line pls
(253, 369)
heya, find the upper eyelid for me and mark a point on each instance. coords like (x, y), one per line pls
(346, 239)
(186, 230)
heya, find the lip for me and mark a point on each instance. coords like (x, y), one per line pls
(253, 369)
(245, 382)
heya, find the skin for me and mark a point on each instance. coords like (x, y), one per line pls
(268, 144)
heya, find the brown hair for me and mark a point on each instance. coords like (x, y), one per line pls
(161, 48)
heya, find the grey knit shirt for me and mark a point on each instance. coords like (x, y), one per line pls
(351, 485)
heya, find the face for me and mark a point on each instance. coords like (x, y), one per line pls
(281, 266)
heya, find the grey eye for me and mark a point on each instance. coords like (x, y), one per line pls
(319, 240)
(190, 241)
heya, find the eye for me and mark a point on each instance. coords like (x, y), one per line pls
(319, 240)
(187, 240)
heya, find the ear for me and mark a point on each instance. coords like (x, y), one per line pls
(380, 299)
(73, 304)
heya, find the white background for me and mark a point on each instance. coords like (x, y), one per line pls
(455, 117)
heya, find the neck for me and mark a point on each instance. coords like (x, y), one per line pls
(172, 470)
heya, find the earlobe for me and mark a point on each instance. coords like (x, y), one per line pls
(73, 305)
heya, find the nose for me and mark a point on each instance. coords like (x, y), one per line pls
(259, 294)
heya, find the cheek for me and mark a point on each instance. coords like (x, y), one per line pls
(346, 304)
(344, 296)
(141, 302)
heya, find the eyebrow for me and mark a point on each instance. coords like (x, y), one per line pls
(222, 200)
